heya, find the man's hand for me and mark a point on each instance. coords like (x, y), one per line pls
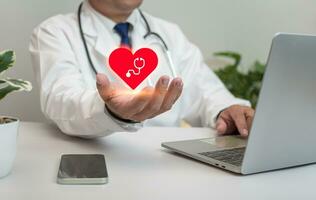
(235, 118)
(142, 105)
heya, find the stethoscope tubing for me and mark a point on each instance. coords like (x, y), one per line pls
(148, 34)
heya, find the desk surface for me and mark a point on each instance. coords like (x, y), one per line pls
(139, 168)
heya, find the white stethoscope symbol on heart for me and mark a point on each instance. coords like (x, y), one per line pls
(128, 73)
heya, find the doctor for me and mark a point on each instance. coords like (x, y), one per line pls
(85, 99)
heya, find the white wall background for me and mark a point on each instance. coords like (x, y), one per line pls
(246, 26)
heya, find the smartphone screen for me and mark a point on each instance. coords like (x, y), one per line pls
(82, 169)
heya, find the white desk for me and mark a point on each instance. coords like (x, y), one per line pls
(139, 168)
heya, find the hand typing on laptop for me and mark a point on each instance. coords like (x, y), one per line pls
(235, 118)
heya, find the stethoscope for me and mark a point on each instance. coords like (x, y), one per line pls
(138, 67)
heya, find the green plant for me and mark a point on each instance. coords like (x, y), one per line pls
(8, 85)
(244, 85)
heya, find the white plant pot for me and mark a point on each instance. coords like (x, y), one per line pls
(8, 143)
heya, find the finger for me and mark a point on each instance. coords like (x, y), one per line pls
(249, 123)
(173, 93)
(229, 122)
(104, 87)
(160, 91)
(221, 126)
(157, 98)
(249, 117)
(240, 122)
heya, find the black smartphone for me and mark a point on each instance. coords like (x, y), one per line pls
(82, 169)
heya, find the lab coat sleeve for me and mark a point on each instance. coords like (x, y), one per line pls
(206, 96)
(66, 99)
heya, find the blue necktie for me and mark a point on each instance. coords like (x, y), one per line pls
(122, 30)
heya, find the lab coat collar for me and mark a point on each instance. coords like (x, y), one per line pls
(93, 28)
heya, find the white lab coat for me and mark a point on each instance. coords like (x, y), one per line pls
(67, 83)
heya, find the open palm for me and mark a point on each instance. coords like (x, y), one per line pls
(141, 105)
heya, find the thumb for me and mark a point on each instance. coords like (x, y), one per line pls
(103, 86)
(221, 126)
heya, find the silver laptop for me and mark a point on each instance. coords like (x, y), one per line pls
(283, 133)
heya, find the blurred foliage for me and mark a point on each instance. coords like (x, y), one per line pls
(245, 85)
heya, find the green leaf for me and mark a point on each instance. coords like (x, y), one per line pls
(9, 85)
(258, 67)
(230, 54)
(7, 59)
(18, 83)
(6, 90)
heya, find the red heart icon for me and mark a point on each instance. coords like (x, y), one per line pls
(133, 69)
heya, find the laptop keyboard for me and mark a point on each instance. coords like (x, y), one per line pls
(230, 156)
